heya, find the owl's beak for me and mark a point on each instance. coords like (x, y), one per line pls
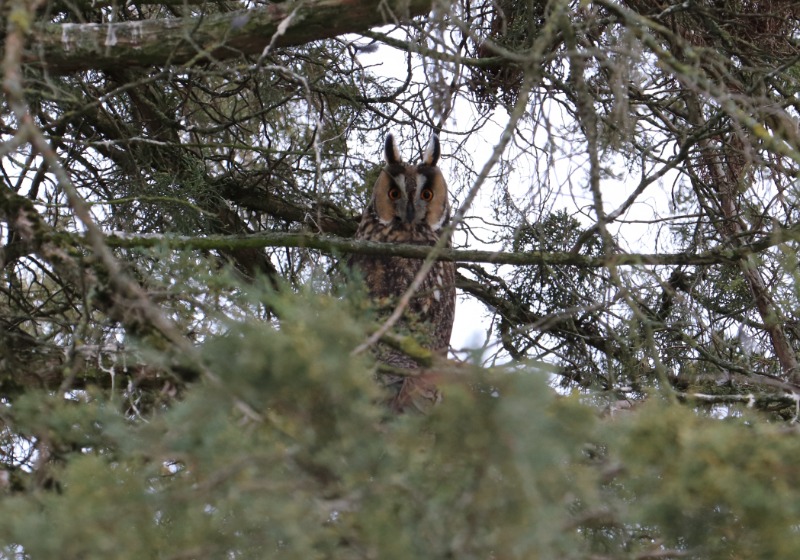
(410, 213)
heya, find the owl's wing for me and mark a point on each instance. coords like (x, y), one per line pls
(417, 394)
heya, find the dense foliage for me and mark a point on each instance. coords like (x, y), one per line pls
(177, 368)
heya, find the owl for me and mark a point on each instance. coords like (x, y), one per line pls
(409, 204)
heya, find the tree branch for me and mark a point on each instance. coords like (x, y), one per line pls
(69, 47)
(752, 400)
(329, 244)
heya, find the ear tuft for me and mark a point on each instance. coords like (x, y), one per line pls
(431, 154)
(391, 151)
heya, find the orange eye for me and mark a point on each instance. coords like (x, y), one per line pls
(394, 194)
(426, 195)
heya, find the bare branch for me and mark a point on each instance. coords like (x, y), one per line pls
(341, 245)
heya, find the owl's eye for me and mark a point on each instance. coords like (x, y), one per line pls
(426, 195)
(394, 194)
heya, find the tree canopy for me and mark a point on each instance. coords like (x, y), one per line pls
(183, 367)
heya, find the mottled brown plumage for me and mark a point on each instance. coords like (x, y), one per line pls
(409, 205)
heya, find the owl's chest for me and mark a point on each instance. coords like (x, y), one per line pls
(417, 234)
(389, 277)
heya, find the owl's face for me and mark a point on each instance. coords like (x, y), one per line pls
(411, 195)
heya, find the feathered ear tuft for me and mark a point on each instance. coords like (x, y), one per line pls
(431, 154)
(391, 151)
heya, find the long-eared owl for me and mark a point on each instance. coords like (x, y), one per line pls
(409, 205)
